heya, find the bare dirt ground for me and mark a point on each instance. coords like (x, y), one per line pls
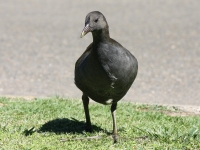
(40, 43)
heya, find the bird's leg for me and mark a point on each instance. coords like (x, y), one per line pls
(113, 112)
(85, 100)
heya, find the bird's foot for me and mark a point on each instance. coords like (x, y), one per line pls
(115, 138)
(88, 128)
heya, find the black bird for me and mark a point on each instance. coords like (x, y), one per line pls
(106, 70)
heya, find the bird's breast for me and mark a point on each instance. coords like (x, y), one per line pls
(105, 74)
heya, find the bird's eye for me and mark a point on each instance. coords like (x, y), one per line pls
(96, 20)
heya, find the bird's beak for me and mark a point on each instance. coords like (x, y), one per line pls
(85, 30)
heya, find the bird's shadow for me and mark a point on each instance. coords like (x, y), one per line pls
(62, 126)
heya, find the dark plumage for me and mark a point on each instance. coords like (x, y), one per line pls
(106, 70)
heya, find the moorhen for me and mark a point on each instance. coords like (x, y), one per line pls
(106, 70)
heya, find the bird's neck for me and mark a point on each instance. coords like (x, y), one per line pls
(101, 35)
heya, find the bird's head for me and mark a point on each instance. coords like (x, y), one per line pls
(94, 21)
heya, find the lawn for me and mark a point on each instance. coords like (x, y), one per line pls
(58, 123)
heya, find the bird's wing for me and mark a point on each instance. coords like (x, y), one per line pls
(117, 62)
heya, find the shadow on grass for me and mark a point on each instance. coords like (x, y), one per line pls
(65, 125)
(62, 126)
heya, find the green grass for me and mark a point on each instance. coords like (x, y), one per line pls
(42, 123)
